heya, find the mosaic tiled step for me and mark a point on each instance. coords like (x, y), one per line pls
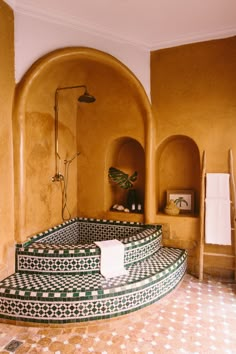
(59, 251)
(45, 298)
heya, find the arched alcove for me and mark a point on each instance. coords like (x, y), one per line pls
(127, 155)
(177, 168)
(122, 108)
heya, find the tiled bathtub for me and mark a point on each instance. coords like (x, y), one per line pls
(58, 281)
(69, 248)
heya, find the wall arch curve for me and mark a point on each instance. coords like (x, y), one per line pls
(178, 167)
(35, 94)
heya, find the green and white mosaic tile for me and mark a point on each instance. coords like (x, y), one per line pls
(58, 278)
(43, 297)
(58, 251)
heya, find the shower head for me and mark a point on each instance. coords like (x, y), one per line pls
(86, 98)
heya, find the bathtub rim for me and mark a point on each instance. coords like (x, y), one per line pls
(156, 228)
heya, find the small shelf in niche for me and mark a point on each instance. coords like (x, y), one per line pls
(179, 216)
(126, 172)
(127, 212)
(113, 215)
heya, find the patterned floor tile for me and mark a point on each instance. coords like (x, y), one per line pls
(159, 328)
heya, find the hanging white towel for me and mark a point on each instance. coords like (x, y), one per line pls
(217, 185)
(217, 217)
(217, 222)
(112, 258)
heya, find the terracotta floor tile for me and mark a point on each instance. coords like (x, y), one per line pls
(196, 318)
(44, 341)
(34, 351)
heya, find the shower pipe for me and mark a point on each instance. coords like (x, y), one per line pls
(59, 177)
(64, 184)
(86, 98)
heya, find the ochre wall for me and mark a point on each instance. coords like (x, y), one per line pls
(7, 84)
(86, 128)
(38, 203)
(194, 94)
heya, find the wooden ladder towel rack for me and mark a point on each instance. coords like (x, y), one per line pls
(202, 252)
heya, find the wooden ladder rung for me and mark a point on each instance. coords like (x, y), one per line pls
(220, 268)
(219, 254)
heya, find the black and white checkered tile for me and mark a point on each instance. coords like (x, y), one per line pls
(32, 285)
(65, 312)
(46, 290)
(43, 257)
(71, 308)
(42, 263)
(87, 230)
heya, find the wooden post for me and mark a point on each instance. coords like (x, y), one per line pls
(202, 216)
(233, 199)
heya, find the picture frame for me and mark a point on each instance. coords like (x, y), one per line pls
(183, 198)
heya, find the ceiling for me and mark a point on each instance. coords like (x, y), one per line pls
(151, 24)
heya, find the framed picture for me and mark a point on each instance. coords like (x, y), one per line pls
(184, 199)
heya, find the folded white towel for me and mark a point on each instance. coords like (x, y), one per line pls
(217, 185)
(217, 222)
(112, 258)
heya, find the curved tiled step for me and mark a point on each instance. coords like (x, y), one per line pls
(49, 255)
(75, 298)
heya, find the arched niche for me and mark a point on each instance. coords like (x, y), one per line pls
(177, 168)
(125, 154)
(37, 199)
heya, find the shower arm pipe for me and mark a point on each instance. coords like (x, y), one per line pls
(58, 176)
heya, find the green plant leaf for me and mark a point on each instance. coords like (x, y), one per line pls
(121, 178)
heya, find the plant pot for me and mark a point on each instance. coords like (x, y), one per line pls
(171, 208)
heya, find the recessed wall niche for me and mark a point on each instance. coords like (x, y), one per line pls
(178, 168)
(127, 155)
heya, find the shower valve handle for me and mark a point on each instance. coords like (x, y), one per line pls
(58, 177)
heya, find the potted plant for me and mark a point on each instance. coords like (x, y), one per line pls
(124, 181)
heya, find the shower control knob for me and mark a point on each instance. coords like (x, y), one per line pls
(57, 177)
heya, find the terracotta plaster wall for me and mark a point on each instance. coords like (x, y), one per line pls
(39, 200)
(115, 114)
(7, 83)
(88, 129)
(194, 94)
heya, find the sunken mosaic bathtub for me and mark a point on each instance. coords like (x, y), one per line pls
(70, 248)
(57, 279)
